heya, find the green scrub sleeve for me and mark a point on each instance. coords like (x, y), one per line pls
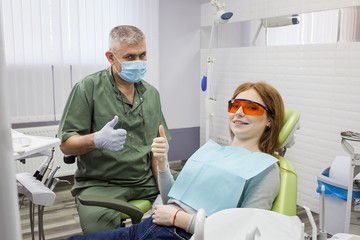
(76, 118)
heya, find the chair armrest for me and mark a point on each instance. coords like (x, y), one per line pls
(119, 205)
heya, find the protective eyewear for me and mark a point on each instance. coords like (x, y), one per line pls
(248, 107)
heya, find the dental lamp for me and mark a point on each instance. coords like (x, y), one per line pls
(280, 21)
(276, 22)
(220, 17)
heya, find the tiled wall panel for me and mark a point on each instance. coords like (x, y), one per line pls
(321, 81)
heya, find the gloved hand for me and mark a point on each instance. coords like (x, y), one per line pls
(160, 146)
(109, 138)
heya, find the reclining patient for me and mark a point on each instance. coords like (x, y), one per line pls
(243, 175)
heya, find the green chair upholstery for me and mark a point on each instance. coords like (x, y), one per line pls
(285, 201)
(133, 209)
(291, 124)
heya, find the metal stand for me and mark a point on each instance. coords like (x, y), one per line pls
(355, 160)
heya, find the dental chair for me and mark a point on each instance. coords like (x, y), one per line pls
(285, 201)
(234, 223)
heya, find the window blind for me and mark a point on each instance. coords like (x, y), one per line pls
(52, 44)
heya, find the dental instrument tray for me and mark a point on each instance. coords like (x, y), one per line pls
(28, 146)
(35, 190)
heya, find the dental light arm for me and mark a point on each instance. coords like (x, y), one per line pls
(276, 22)
(280, 21)
(220, 16)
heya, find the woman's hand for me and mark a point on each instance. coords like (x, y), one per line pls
(164, 215)
(160, 148)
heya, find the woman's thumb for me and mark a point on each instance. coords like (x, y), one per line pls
(162, 131)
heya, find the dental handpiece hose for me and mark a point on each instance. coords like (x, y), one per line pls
(45, 166)
(51, 176)
(40, 167)
(56, 181)
(47, 172)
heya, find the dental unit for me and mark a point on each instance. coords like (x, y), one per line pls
(220, 17)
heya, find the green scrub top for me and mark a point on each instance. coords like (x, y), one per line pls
(93, 102)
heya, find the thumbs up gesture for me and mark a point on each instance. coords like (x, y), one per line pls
(160, 146)
(109, 138)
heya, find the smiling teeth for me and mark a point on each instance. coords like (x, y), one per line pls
(240, 122)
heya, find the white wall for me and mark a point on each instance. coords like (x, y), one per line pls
(179, 27)
(322, 81)
(9, 211)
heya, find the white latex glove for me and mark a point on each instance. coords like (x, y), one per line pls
(160, 146)
(109, 138)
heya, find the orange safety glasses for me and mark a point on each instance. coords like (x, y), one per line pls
(249, 107)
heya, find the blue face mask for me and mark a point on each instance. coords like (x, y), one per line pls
(132, 71)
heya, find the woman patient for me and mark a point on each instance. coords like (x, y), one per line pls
(256, 114)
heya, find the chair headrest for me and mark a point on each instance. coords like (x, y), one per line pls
(291, 124)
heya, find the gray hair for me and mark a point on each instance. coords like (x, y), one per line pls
(125, 33)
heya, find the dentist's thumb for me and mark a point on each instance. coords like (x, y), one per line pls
(162, 131)
(113, 122)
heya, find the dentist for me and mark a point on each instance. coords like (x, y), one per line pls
(109, 122)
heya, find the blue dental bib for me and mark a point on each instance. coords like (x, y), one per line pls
(214, 176)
